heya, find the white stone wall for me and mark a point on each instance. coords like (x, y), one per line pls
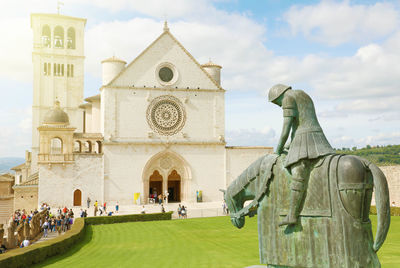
(392, 174)
(125, 114)
(95, 117)
(125, 166)
(239, 158)
(58, 183)
(142, 72)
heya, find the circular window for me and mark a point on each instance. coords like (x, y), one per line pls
(166, 74)
(166, 115)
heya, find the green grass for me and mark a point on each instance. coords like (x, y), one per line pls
(205, 242)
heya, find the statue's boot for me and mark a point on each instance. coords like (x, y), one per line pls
(296, 198)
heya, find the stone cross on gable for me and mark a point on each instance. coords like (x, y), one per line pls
(59, 4)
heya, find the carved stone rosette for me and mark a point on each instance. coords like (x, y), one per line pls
(166, 115)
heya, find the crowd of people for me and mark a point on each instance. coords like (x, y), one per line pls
(59, 222)
(102, 209)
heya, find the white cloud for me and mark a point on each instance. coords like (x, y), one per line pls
(251, 137)
(381, 139)
(334, 23)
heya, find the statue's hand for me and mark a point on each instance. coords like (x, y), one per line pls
(238, 222)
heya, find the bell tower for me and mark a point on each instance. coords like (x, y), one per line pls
(58, 70)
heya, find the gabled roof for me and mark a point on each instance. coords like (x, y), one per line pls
(19, 167)
(166, 32)
(7, 177)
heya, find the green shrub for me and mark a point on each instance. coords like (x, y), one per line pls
(394, 211)
(128, 218)
(24, 257)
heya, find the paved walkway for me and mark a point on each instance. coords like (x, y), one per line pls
(194, 210)
(49, 236)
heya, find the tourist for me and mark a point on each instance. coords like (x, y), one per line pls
(116, 207)
(95, 208)
(45, 228)
(88, 202)
(53, 224)
(58, 225)
(393, 204)
(101, 210)
(3, 249)
(184, 212)
(166, 197)
(85, 215)
(25, 243)
(160, 199)
(162, 208)
(143, 210)
(105, 207)
(110, 213)
(179, 211)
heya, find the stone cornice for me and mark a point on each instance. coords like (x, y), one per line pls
(164, 143)
(165, 89)
(55, 55)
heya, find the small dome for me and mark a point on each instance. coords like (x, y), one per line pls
(56, 116)
(211, 64)
(114, 59)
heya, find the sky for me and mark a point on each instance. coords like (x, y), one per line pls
(344, 54)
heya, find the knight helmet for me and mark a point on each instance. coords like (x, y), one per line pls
(276, 91)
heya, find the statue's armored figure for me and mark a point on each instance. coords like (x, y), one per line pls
(308, 142)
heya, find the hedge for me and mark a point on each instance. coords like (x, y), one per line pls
(24, 257)
(394, 211)
(128, 218)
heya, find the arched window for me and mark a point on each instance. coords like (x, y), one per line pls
(77, 198)
(98, 147)
(71, 38)
(77, 147)
(88, 147)
(59, 37)
(46, 36)
(56, 146)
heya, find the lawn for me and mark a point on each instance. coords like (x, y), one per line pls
(203, 242)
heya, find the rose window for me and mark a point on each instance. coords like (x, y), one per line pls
(166, 115)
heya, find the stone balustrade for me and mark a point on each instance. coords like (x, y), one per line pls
(18, 233)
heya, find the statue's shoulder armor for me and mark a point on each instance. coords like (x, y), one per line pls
(289, 101)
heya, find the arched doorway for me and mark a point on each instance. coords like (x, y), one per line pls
(174, 186)
(165, 162)
(77, 198)
(155, 184)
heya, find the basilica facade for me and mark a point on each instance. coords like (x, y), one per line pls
(156, 126)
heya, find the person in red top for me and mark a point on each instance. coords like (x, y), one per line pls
(105, 206)
(65, 210)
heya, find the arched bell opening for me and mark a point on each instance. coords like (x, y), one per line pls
(56, 146)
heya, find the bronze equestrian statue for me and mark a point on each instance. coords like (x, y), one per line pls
(312, 204)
